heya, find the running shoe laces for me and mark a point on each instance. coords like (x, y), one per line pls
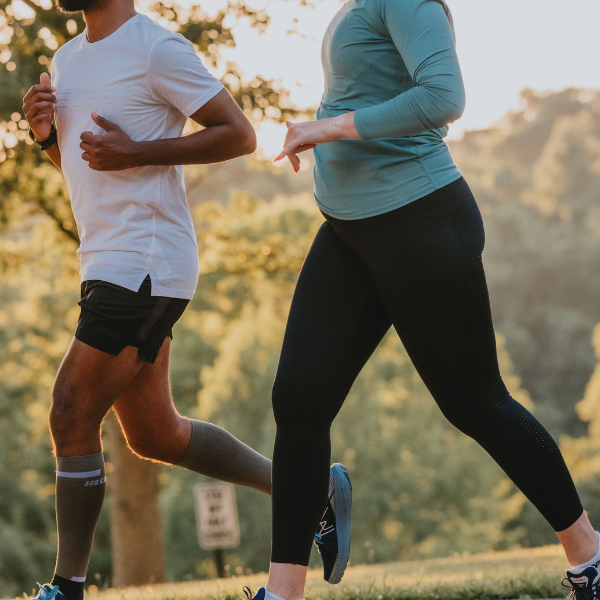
(583, 585)
(49, 592)
(260, 594)
(327, 523)
(332, 538)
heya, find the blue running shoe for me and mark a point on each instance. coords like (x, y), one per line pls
(583, 584)
(260, 594)
(333, 537)
(49, 592)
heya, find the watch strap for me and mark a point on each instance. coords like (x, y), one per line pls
(49, 141)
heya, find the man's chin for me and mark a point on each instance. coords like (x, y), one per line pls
(74, 6)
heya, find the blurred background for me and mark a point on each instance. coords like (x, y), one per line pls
(529, 145)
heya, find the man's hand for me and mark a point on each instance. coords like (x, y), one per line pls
(38, 108)
(112, 151)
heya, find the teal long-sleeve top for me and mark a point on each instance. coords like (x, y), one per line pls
(394, 62)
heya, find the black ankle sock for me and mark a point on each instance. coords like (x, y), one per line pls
(72, 590)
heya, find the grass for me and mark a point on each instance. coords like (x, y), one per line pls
(534, 573)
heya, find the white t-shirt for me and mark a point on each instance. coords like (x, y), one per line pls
(134, 222)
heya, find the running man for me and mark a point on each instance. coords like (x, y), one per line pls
(121, 92)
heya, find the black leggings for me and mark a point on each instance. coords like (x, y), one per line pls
(419, 269)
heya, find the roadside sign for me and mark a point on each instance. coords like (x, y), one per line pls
(216, 516)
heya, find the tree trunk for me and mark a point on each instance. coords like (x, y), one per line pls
(137, 544)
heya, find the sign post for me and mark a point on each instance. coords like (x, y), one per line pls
(217, 519)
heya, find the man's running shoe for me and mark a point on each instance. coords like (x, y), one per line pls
(49, 592)
(333, 537)
(583, 584)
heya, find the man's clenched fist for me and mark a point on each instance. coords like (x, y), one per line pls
(38, 107)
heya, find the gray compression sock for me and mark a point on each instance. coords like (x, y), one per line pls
(80, 486)
(216, 453)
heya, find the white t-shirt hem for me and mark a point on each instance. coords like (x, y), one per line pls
(135, 284)
(128, 283)
(160, 290)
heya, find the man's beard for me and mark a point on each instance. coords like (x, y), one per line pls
(74, 6)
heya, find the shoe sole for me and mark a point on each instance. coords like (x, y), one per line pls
(343, 508)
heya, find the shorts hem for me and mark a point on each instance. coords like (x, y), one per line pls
(97, 345)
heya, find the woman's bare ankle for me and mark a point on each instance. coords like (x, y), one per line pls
(287, 581)
(580, 541)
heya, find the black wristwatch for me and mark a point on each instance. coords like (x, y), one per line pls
(49, 141)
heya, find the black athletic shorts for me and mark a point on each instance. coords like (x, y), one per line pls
(113, 317)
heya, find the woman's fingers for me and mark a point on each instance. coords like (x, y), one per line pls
(295, 161)
(305, 147)
(294, 144)
(293, 147)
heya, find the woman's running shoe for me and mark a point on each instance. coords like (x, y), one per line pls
(49, 592)
(333, 537)
(583, 584)
(260, 593)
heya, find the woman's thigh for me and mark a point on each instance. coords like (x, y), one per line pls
(425, 263)
(335, 323)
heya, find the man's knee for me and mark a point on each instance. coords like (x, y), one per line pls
(146, 447)
(166, 447)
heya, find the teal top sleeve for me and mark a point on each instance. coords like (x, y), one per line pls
(423, 35)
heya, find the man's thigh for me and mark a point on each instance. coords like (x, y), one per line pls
(147, 402)
(89, 381)
(151, 423)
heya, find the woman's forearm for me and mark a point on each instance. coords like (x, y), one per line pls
(343, 127)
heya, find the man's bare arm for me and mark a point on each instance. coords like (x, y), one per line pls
(226, 134)
(53, 153)
(38, 108)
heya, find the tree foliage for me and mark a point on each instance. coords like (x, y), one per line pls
(38, 311)
(583, 453)
(536, 177)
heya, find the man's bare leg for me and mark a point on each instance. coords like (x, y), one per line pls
(155, 430)
(87, 384)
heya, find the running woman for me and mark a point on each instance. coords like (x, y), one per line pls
(401, 247)
(121, 92)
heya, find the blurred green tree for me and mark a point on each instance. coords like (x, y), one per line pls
(536, 177)
(38, 311)
(583, 453)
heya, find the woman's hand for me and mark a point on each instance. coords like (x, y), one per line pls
(307, 135)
